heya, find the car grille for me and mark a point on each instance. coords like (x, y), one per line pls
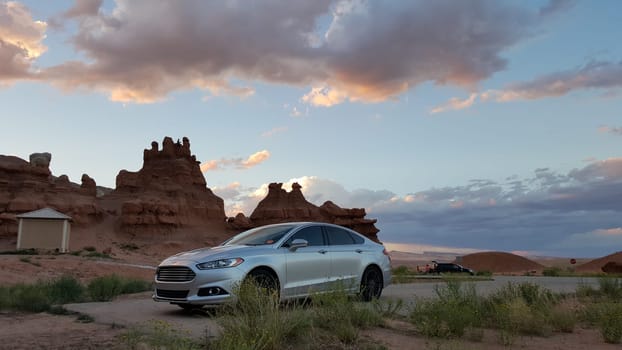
(174, 274)
(173, 294)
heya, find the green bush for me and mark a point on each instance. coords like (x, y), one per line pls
(105, 288)
(28, 297)
(563, 319)
(611, 287)
(455, 310)
(256, 321)
(552, 271)
(66, 289)
(611, 323)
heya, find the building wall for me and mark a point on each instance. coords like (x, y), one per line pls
(41, 234)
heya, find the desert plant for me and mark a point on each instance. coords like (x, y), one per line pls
(611, 323)
(256, 321)
(563, 318)
(553, 271)
(611, 287)
(105, 288)
(455, 310)
(65, 289)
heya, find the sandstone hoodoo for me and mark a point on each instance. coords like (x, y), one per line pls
(281, 206)
(168, 191)
(27, 186)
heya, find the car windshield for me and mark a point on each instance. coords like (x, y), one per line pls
(260, 236)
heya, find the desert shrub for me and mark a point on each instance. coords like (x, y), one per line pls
(105, 288)
(585, 290)
(338, 314)
(28, 297)
(66, 289)
(552, 271)
(611, 287)
(256, 321)
(563, 318)
(90, 248)
(455, 310)
(158, 334)
(611, 323)
(388, 308)
(531, 293)
(135, 286)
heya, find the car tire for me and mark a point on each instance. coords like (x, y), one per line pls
(371, 284)
(264, 279)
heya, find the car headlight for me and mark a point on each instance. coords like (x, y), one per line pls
(219, 264)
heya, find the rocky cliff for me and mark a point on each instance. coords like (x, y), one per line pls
(168, 194)
(169, 191)
(281, 206)
(27, 186)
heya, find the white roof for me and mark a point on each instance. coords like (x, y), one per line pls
(45, 213)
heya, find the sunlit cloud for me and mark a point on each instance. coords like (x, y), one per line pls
(455, 104)
(255, 159)
(274, 131)
(324, 97)
(237, 163)
(200, 45)
(21, 41)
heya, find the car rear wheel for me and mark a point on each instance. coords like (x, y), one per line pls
(371, 284)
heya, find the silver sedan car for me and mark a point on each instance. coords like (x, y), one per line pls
(294, 259)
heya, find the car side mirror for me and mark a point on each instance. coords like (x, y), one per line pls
(298, 243)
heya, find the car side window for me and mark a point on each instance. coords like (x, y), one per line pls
(337, 236)
(311, 234)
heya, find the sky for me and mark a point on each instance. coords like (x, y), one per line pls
(473, 125)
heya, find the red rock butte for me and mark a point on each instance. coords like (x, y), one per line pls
(167, 195)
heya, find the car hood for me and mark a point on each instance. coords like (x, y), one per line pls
(214, 253)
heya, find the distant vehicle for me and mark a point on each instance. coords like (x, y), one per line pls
(439, 268)
(293, 259)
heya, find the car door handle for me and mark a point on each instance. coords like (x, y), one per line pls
(322, 251)
(359, 251)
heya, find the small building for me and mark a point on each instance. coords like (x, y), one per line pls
(43, 229)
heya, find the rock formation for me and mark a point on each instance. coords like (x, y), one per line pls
(281, 206)
(612, 267)
(169, 191)
(27, 186)
(168, 194)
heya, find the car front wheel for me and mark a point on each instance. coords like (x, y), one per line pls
(371, 284)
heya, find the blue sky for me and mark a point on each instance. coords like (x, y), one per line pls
(474, 124)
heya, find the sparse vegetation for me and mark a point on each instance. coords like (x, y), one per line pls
(129, 246)
(106, 288)
(20, 252)
(49, 295)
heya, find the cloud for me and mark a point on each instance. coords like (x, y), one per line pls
(274, 131)
(238, 163)
(21, 42)
(556, 6)
(455, 104)
(79, 10)
(255, 159)
(598, 75)
(344, 50)
(611, 130)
